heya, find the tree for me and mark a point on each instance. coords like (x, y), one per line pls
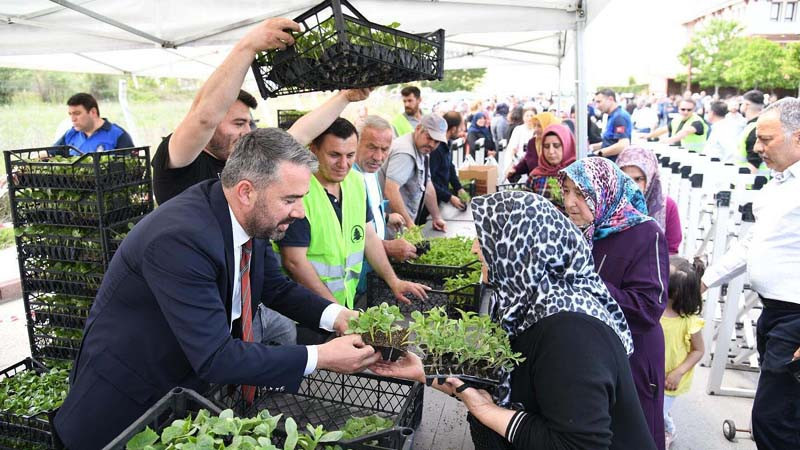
(457, 80)
(708, 51)
(791, 66)
(757, 64)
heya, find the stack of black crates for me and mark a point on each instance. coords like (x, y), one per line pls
(70, 213)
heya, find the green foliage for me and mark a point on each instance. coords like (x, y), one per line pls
(464, 197)
(457, 80)
(471, 278)
(470, 341)
(758, 63)
(378, 319)
(360, 426)
(6, 237)
(710, 50)
(453, 251)
(29, 393)
(412, 234)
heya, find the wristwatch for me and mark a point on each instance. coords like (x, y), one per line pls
(599, 152)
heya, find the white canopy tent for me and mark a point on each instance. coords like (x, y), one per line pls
(189, 38)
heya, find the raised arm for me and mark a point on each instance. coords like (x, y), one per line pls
(311, 125)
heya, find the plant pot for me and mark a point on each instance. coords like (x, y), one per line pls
(381, 343)
(423, 247)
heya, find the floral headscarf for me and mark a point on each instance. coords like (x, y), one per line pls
(613, 197)
(545, 169)
(539, 265)
(647, 162)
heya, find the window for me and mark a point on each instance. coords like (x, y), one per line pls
(789, 12)
(775, 12)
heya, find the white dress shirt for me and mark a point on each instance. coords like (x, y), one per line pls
(328, 315)
(770, 252)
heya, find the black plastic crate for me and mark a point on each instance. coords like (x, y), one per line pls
(430, 272)
(54, 314)
(65, 247)
(90, 171)
(46, 345)
(31, 283)
(116, 233)
(27, 432)
(467, 298)
(287, 117)
(81, 208)
(181, 403)
(338, 48)
(513, 187)
(329, 399)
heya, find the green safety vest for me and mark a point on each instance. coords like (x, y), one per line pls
(337, 251)
(742, 155)
(401, 125)
(693, 142)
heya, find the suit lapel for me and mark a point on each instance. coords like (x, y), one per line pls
(219, 207)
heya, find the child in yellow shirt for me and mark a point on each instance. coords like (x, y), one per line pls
(683, 339)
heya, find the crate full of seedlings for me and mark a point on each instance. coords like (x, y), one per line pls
(287, 117)
(380, 327)
(461, 292)
(30, 395)
(471, 348)
(438, 258)
(338, 48)
(329, 399)
(185, 419)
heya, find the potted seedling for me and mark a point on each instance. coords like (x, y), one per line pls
(413, 235)
(379, 326)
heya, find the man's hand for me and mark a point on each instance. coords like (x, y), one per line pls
(401, 287)
(399, 249)
(439, 224)
(341, 324)
(346, 354)
(395, 222)
(796, 354)
(270, 35)
(672, 380)
(455, 201)
(357, 95)
(409, 367)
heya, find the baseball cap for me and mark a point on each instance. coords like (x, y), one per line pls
(436, 126)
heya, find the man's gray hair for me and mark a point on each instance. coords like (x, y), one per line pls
(789, 110)
(258, 154)
(375, 122)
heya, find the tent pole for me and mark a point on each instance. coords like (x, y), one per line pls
(582, 130)
(130, 123)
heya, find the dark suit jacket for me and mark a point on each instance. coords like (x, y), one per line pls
(161, 319)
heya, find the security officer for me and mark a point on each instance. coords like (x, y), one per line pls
(688, 129)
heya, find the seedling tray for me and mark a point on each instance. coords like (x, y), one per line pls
(44, 345)
(338, 48)
(430, 272)
(60, 247)
(329, 399)
(513, 187)
(287, 117)
(55, 315)
(91, 171)
(388, 352)
(181, 403)
(116, 233)
(467, 298)
(29, 432)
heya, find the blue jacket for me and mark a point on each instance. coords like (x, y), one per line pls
(109, 136)
(443, 173)
(162, 319)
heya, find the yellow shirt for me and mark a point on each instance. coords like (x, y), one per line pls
(678, 333)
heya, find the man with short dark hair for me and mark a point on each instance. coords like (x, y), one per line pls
(617, 135)
(443, 173)
(220, 115)
(325, 250)
(768, 253)
(687, 129)
(177, 304)
(724, 133)
(90, 132)
(405, 122)
(751, 106)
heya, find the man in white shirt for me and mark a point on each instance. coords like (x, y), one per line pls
(723, 138)
(770, 253)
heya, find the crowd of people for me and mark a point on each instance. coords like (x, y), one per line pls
(248, 271)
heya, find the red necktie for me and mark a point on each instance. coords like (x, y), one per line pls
(248, 392)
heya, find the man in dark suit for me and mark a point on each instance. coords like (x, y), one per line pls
(174, 306)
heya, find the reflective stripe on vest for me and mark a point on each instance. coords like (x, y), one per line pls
(694, 142)
(401, 125)
(337, 250)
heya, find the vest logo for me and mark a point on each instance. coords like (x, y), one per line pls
(357, 233)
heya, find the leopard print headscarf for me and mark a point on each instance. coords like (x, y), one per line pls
(539, 265)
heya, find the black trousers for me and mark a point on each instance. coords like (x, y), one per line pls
(776, 409)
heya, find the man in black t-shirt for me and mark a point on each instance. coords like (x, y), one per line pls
(220, 115)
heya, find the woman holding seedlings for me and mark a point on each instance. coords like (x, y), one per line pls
(558, 151)
(574, 390)
(630, 253)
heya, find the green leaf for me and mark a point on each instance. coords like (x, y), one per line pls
(142, 439)
(291, 434)
(331, 436)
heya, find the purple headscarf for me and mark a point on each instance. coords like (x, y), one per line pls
(647, 162)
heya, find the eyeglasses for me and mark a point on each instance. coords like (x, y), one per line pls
(685, 109)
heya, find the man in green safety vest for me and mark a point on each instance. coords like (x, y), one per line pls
(688, 129)
(751, 107)
(408, 120)
(325, 251)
